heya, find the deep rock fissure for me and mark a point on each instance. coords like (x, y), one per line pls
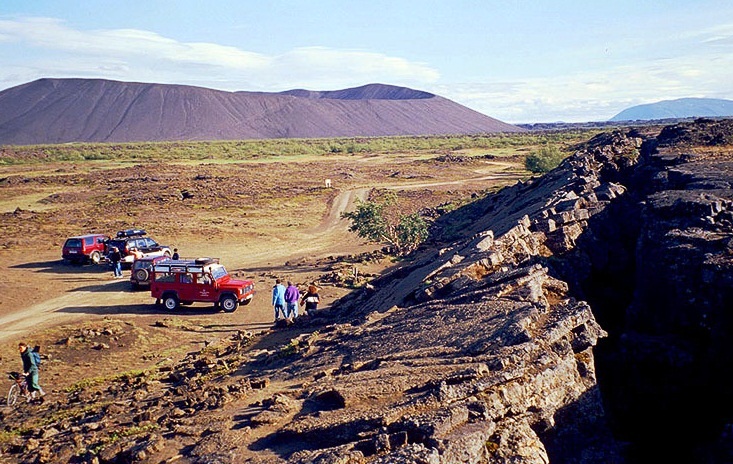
(654, 269)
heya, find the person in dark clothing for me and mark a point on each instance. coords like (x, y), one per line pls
(115, 257)
(30, 370)
(311, 300)
(175, 254)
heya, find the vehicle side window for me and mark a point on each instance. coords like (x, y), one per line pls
(186, 278)
(168, 277)
(203, 279)
(89, 241)
(149, 242)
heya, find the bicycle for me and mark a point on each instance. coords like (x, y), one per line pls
(19, 387)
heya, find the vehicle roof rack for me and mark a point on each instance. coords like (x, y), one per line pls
(183, 265)
(130, 232)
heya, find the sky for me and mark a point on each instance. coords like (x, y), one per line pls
(520, 61)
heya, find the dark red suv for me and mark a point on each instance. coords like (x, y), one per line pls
(84, 248)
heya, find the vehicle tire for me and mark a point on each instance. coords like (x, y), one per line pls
(13, 394)
(141, 275)
(228, 303)
(170, 302)
(95, 257)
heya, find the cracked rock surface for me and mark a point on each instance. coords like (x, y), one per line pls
(531, 329)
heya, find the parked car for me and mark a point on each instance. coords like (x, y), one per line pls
(126, 240)
(141, 270)
(84, 248)
(185, 281)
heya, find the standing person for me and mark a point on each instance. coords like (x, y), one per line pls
(30, 370)
(115, 257)
(278, 299)
(175, 254)
(311, 300)
(292, 295)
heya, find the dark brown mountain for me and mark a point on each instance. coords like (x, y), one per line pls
(95, 110)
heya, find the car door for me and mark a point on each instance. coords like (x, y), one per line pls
(140, 244)
(187, 287)
(151, 245)
(204, 285)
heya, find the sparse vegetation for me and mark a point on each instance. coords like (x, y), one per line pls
(544, 160)
(91, 382)
(278, 149)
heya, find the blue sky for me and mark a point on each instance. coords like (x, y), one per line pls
(515, 60)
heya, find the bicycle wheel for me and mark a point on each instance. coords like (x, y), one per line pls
(13, 394)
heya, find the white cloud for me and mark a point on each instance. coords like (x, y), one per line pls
(592, 86)
(130, 54)
(600, 94)
(721, 34)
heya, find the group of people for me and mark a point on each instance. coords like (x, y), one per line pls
(286, 300)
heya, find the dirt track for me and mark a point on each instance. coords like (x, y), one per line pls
(113, 297)
(261, 223)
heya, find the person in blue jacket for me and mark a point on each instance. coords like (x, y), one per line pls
(30, 370)
(278, 299)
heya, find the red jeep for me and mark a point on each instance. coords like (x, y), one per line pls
(184, 281)
(84, 248)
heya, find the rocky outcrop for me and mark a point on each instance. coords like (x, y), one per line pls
(579, 317)
(671, 320)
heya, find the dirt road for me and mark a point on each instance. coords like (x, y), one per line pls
(114, 297)
(90, 291)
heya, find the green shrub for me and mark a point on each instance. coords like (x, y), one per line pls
(375, 222)
(544, 160)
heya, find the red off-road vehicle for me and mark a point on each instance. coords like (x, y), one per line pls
(84, 248)
(185, 281)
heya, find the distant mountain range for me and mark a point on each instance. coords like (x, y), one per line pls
(677, 109)
(96, 110)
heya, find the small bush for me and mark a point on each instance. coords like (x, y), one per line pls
(382, 222)
(544, 160)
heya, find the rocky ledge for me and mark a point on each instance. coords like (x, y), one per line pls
(484, 347)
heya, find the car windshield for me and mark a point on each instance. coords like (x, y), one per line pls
(218, 271)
